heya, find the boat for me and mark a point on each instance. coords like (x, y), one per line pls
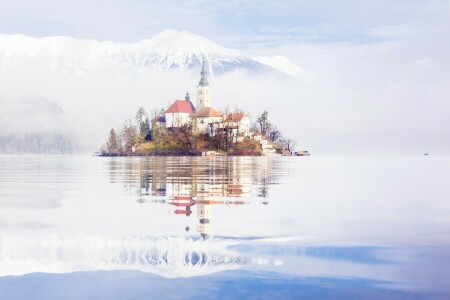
(302, 153)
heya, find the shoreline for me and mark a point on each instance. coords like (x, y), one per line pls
(176, 154)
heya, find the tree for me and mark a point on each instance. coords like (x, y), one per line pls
(226, 128)
(274, 134)
(153, 127)
(184, 137)
(140, 115)
(142, 122)
(113, 145)
(289, 145)
(144, 127)
(129, 135)
(264, 123)
(159, 137)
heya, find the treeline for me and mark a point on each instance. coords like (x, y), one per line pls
(43, 143)
(141, 135)
(272, 133)
(132, 133)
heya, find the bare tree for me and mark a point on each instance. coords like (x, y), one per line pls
(264, 123)
(274, 134)
(129, 135)
(289, 144)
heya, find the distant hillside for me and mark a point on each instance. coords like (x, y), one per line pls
(169, 49)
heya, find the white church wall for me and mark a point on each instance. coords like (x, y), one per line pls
(176, 120)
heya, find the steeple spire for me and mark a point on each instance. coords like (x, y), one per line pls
(204, 74)
(187, 97)
(203, 88)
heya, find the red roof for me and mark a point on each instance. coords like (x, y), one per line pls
(208, 112)
(235, 117)
(180, 106)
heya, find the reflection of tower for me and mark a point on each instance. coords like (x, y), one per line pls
(204, 216)
(184, 182)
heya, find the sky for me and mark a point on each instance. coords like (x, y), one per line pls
(381, 68)
(233, 23)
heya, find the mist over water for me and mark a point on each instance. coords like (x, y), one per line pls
(372, 226)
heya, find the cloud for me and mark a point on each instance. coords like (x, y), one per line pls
(282, 63)
(364, 99)
(381, 68)
(30, 114)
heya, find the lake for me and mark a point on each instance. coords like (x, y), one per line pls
(81, 227)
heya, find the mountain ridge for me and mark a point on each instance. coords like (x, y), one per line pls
(170, 49)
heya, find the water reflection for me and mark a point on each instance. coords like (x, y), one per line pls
(322, 225)
(166, 256)
(197, 183)
(197, 177)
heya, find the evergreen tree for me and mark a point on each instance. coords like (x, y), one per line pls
(112, 145)
(140, 115)
(142, 122)
(144, 127)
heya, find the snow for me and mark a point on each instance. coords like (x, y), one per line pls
(169, 49)
(181, 48)
(283, 64)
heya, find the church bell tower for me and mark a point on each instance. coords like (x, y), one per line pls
(203, 89)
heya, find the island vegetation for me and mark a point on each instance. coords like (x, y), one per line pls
(141, 136)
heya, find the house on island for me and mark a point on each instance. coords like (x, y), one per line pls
(239, 124)
(209, 120)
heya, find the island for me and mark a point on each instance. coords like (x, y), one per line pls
(185, 129)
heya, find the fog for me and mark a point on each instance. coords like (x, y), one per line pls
(376, 73)
(356, 99)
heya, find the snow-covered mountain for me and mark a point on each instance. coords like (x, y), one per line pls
(169, 49)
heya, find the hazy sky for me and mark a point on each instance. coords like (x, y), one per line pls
(382, 67)
(233, 23)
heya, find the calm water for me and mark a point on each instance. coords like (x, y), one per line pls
(76, 227)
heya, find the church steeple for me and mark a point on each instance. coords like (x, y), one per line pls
(203, 89)
(204, 75)
(187, 98)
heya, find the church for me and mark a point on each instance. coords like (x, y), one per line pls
(203, 118)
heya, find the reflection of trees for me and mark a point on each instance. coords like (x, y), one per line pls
(184, 182)
(203, 177)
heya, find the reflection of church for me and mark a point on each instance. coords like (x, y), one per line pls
(189, 184)
(220, 177)
(183, 206)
